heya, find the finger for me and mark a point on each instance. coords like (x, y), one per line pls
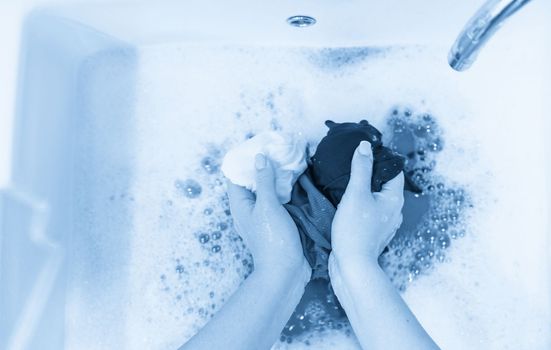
(241, 199)
(392, 193)
(265, 180)
(362, 169)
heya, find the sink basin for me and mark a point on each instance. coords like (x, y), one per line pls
(124, 111)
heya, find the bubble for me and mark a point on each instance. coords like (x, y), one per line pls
(207, 211)
(222, 226)
(216, 235)
(204, 238)
(444, 241)
(427, 229)
(210, 165)
(189, 188)
(414, 269)
(421, 131)
(180, 269)
(216, 248)
(435, 146)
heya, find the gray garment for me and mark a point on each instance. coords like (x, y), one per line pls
(313, 214)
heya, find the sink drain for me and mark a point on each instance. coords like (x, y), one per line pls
(301, 21)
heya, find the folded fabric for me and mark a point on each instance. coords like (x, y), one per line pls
(320, 188)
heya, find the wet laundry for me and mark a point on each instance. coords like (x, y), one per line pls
(320, 188)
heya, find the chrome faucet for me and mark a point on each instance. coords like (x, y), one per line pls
(479, 29)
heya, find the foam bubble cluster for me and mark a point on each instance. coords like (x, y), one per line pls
(432, 219)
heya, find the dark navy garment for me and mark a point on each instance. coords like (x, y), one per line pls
(319, 190)
(332, 161)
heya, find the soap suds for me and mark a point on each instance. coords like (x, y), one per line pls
(186, 259)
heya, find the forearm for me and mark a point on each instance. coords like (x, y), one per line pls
(377, 313)
(256, 313)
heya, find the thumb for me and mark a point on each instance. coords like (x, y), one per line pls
(362, 168)
(392, 192)
(265, 180)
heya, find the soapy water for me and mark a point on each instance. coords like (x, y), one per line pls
(186, 259)
(432, 220)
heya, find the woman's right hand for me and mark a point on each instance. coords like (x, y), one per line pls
(365, 222)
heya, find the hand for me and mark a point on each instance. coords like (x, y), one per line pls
(264, 224)
(255, 314)
(365, 222)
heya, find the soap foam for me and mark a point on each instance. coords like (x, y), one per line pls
(195, 102)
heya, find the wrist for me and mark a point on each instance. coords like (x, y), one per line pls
(298, 270)
(356, 266)
(351, 258)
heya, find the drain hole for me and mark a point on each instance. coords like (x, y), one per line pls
(301, 21)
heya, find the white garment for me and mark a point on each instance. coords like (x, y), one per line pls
(287, 153)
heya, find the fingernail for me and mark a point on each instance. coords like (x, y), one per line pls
(365, 149)
(260, 161)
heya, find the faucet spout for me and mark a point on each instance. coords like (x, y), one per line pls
(487, 20)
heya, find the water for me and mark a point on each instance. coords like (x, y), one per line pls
(185, 258)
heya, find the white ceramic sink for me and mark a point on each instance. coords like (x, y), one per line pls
(118, 101)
